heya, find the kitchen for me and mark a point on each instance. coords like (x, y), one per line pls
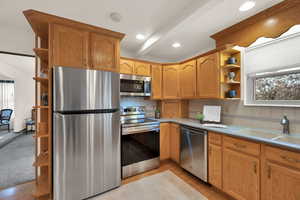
(218, 124)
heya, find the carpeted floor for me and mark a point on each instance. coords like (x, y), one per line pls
(162, 186)
(16, 160)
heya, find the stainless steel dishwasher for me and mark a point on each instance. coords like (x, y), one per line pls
(193, 151)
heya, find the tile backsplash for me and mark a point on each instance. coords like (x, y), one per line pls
(140, 101)
(235, 113)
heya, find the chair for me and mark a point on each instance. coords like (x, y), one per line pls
(5, 115)
(30, 122)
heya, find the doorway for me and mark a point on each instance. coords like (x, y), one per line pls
(17, 147)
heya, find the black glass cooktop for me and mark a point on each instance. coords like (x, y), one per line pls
(139, 121)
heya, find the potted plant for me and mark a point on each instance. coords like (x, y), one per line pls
(200, 117)
(157, 114)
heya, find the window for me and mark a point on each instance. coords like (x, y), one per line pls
(7, 97)
(280, 87)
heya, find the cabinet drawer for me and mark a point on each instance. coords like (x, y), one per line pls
(242, 145)
(214, 138)
(283, 156)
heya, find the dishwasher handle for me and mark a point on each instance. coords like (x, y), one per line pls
(193, 131)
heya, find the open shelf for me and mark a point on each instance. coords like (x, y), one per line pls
(228, 70)
(41, 160)
(41, 80)
(231, 66)
(41, 53)
(40, 135)
(232, 82)
(42, 188)
(232, 98)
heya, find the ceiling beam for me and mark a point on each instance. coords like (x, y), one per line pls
(165, 29)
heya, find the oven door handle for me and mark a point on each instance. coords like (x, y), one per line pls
(140, 131)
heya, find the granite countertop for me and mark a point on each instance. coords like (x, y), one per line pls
(272, 137)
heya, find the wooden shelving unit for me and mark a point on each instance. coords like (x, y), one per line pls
(226, 83)
(43, 86)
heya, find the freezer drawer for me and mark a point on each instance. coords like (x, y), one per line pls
(193, 151)
(86, 155)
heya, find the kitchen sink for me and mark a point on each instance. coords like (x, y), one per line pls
(289, 139)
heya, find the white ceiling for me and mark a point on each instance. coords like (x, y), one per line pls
(189, 22)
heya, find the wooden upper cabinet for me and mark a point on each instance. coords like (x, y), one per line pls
(126, 66)
(215, 165)
(142, 69)
(188, 79)
(175, 142)
(171, 82)
(241, 175)
(208, 76)
(156, 72)
(104, 52)
(70, 47)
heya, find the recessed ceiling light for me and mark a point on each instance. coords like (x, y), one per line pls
(140, 37)
(176, 45)
(247, 6)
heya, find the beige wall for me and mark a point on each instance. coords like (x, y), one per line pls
(235, 113)
(140, 101)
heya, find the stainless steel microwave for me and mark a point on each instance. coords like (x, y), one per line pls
(132, 85)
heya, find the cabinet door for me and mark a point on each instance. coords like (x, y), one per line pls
(280, 182)
(126, 66)
(175, 142)
(70, 47)
(164, 141)
(208, 76)
(170, 109)
(156, 81)
(215, 165)
(104, 52)
(170, 82)
(142, 69)
(187, 79)
(241, 177)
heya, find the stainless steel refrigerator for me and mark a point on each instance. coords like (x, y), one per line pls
(86, 143)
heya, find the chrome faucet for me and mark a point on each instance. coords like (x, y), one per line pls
(286, 125)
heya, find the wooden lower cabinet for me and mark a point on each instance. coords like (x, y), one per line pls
(164, 138)
(280, 182)
(215, 165)
(280, 174)
(175, 142)
(241, 175)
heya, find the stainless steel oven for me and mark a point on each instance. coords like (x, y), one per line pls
(132, 85)
(139, 143)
